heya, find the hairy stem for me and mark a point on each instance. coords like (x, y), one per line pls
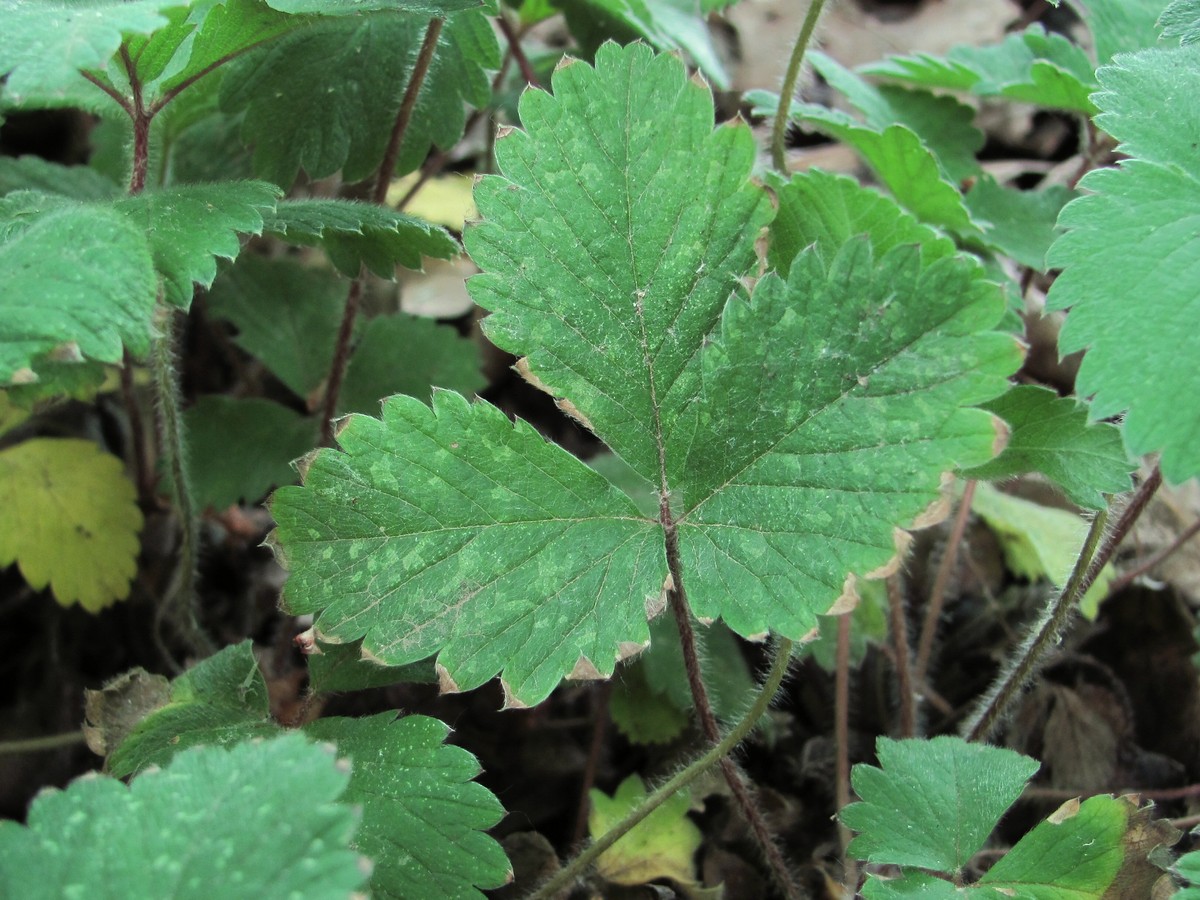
(39, 744)
(907, 725)
(743, 794)
(1097, 549)
(383, 178)
(937, 596)
(716, 753)
(788, 89)
(179, 606)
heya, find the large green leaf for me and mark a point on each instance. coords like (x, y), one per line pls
(1132, 262)
(213, 823)
(77, 279)
(44, 45)
(1051, 435)
(417, 794)
(188, 227)
(791, 433)
(361, 64)
(932, 803)
(1181, 19)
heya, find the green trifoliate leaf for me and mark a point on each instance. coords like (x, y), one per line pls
(44, 45)
(1051, 435)
(71, 520)
(361, 234)
(220, 701)
(791, 433)
(1120, 26)
(1019, 224)
(286, 315)
(664, 24)
(943, 122)
(78, 281)
(826, 211)
(495, 580)
(246, 836)
(1030, 66)
(408, 355)
(1181, 19)
(241, 447)
(1039, 541)
(898, 156)
(188, 227)
(361, 66)
(417, 794)
(1132, 263)
(660, 846)
(32, 173)
(932, 803)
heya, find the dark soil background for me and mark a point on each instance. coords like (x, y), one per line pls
(1117, 709)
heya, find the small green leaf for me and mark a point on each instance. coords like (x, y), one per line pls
(32, 173)
(361, 234)
(934, 802)
(726, 674)
(1074, 855)
(287, 316)
(241, 447)
(641, 713)
(1130, 261)
(1019, 224)
(417, 794)
(101, 839)
(189, 226)
(78, 279)
(660, 846)
(1031, 66)
(1051, 435)
(365, 62)
(943, 123)
(1181, 19)
(44, 45)
(221, 701)
(71, 520)
(1039, 542)
(404, 354)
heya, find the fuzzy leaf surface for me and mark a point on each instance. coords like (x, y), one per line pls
(44, 45)
(32, 173)
(1031, 66)
(790, 425)
(361, 64)
(189, 226)
(71, 520)
(417, 793)
(358, 234)
(99, 838)
(1131, 261)
(73, 276)
(286, 314)
(241, 447)
(933, 802)
(1181, 19)
(220, 701)
(1120, 26)
(1051, 435)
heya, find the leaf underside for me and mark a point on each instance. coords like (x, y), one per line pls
(792, 431)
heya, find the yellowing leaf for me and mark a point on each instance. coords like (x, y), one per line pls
(70, 520)
(1038, 542)
(445, 200)
(660, 846)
